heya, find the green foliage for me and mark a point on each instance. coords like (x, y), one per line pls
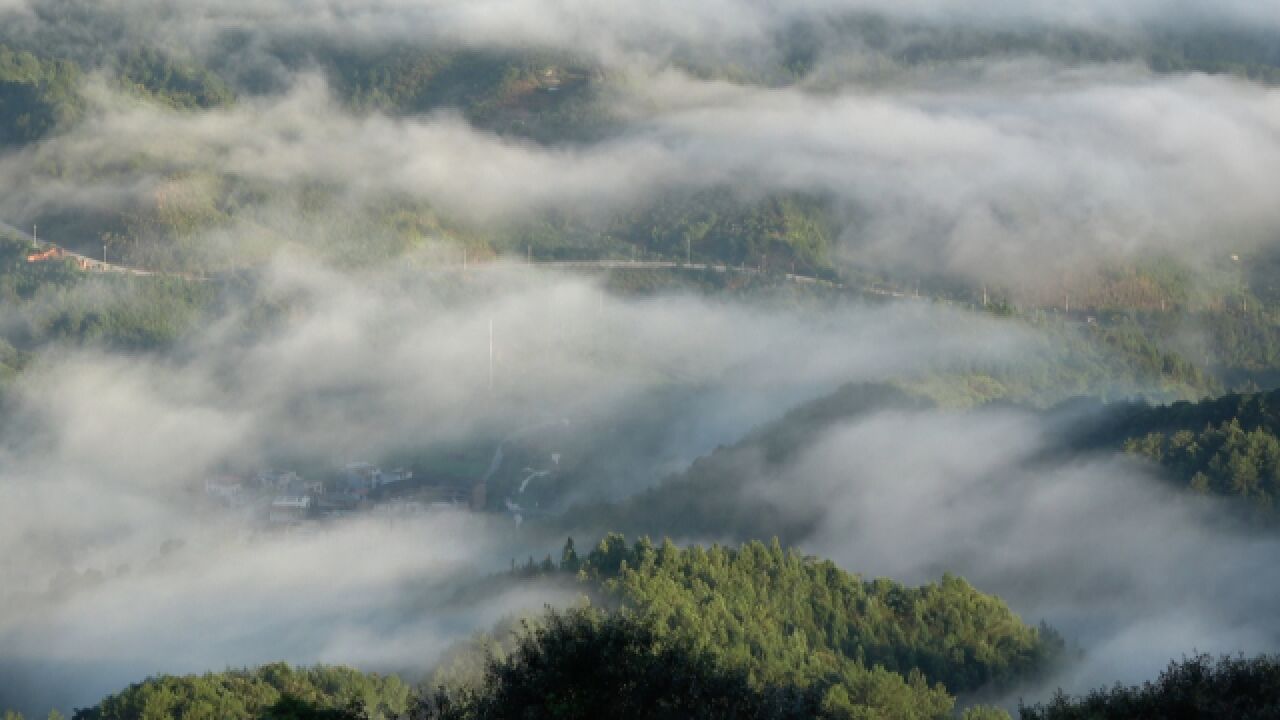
(541, 95)
(792, 620)
(1230, 688)
(1222, 460)
(36, 96)
(1146, 358)
(53, 302)
(1249, 53)
(983, 712)
(1227, 446)
(39, 95)
(898, 45)
(1114, 357)
(178, 84)
(270, 692)
(855, 648)
(149, 313)
(1242, 348)
(755, 632)
(589, 664)
(786, 233)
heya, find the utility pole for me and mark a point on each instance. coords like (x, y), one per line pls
(1068, 303)
(984, 296)
(688, 250)
(35, 234)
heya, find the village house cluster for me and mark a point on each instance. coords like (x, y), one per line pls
(284, 498)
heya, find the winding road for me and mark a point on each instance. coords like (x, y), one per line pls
(84, 261)
(94, 264)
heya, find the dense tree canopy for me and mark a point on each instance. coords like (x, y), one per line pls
(270, 692)
(1229, 688)
(173, 82)
(36, 96)
(788, 620)
(1225, 446)
(587, 663)
(53, 302)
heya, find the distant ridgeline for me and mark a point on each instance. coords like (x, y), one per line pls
(1229, 447)
(551, 95)
(548, 96)
(706, 500)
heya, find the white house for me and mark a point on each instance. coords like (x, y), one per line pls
(387, 477)
(289, 508)
(277, 479)
(225, 489)
(361, 477)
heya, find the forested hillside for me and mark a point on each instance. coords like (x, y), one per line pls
(757, 628)
(782, 620)
(40, 93)
(553, 98)
(706, 499)
(270, 692)
(1195, 687)
(35, 96)
(587, 664)
(1223, 446)
(53, 302)
(791, 619)
(906, 44)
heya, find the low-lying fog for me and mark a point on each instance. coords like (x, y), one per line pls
(125, 571)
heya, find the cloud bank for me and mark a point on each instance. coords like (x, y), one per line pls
(126, 570)
(1002, 168)
(1018, 182)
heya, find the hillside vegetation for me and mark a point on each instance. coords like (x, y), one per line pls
(270, 692)
(590, 664)
(1198, 687)
(755, 630)
(788, 618)
(36, 96)
(1225, 446)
